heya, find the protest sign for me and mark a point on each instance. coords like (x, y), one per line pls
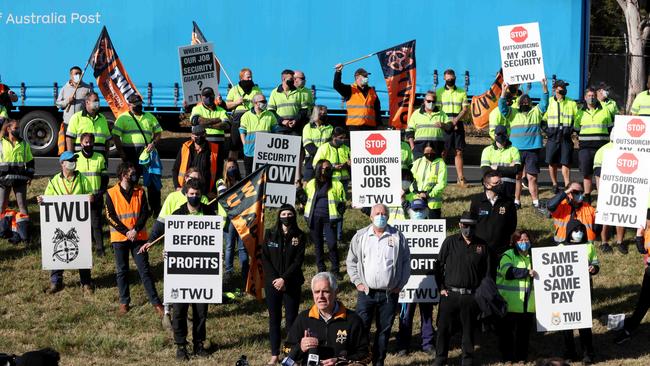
(66, 241)
(562, 294)
(282, 153)
(631, 133)
(424, 239)
(376, 168)
(193, 263)
(521, 53)
(198, 70)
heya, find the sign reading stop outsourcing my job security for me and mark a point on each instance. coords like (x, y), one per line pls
(623, 189)
(562, 294)
(282, 153)
(376, 168)
(198, 70)
(193, 265)
(424, 238)
(65, 232)
(632, 133)
(521, 53)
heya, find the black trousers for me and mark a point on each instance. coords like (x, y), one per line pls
(642, 305)
(179, 322)
(323, 226)
(96, 221)
(153, 193)
(453, 308)
(514, 333)
(274, 300)
(248, 164)
(586, 342)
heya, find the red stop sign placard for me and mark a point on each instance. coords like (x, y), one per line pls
(375, 144)
(627, 163)
(518, 34)
(635, 127)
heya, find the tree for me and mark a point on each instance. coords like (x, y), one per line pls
(638, 30)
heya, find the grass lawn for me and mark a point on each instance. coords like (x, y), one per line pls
(87, 330)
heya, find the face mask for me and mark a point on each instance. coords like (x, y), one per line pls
(450, 82)
(261, 106)
(286, 221)
(76, 78)
(430, 157)
(380, 221)
(562, 92)
(133, 178)
(498, 189)
(428, 105)
(290, 83)
(200, 140)
(337, 142)
(467, 231)
(246, 84)
(232, 172)
(364, 81)
(523, 246)
(418, 215)
(194, 201)
(327, 173)
(501, 139)
(591, 101)
(70, 165)
(15, 133)
(524, 108)
(87, 150)
(406, 185)
(209, 101)
(577, 236)
(94, 106)
(137, 109)
(578, 198)
(512, 89)
(605, 94)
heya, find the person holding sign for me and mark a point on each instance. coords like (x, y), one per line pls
(425, 126)
(194, 206)
(560, 118)
(361, 100)
(430, 179)
(240, 100)
(315, 134)
(258, 119)
(570, 205)
(504, 158)
(68, 182)
(282, 257)
(515, 284)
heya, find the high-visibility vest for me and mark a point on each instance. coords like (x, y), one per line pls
(317, 135)
(427, 126)
(560, 113)
(251, 123)
(185, 162)
(360, 108)
(14, 159)
(212, 134)
(407, 155)
(127, 212)
(430, 177)
(173, 202)
(395, 213)
(81, 122)
(562, 215)
(497, 119)
(594, 124)
(93, 168)
(126, 128)
(58, 185)
(306, 98)
(598, 158)
(525, 129)
(236, 92)
(451, 101)
(285, 105)
(335, 155)
(492, 155)
(611, 106)
(335, 195)
(641, 104)
(517, 292)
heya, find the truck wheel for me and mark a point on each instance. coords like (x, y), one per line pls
(40, 130)
(110, 118)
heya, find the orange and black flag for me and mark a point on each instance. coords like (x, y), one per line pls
(112, 79)
(483, 104)
(244, 203)
(198, 38)
(398, 65)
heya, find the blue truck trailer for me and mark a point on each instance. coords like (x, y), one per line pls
(42, 39)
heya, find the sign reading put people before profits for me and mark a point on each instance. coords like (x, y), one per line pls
(424, 238)
(193, 264)
(562, 294)
(376, 168)
(198, 70)
(65, 232)
(521, 53)
(282, 153)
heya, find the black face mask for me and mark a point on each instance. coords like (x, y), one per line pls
(468, 231)
(286, 221)
(450, 82)
(209, 101)
(200, 140)
(326, 174)
(247, 85)
(512, 89)
(430, 157)
(562, 92)
(290, 83)
(15, 133)
(87, 150)
(133, 178)
(337, 143)
(194, 201)
(524, 108)
(498, 189)
(137, 109)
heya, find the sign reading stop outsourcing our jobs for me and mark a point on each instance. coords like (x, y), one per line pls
(376, 168)
(282, 153)
(193, 264)
(521, 53)
(65, 232)
(562, 294)
(424, 238)
(631, 133)
(623, 189)
(198, 70)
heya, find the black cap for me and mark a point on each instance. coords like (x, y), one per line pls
(500, 130)
(561, 84)
(198, 130)
(468, 218)
(207, 91)
(134, 99)
(361, 71)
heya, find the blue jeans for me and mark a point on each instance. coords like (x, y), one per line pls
(232, 237)
(406, 325)
(56, 276)
(122, 250)
(381, 306)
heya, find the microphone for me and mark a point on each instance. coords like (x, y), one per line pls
(313, 359)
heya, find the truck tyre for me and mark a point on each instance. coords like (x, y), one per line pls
(40, 130)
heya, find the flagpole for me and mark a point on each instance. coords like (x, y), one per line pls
(74, 92)
(358, 59)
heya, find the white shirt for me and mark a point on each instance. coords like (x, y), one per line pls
(379, 259)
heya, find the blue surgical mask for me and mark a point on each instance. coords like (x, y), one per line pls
(418, 215)
(380, 221)
(523, 246)
(578, 197)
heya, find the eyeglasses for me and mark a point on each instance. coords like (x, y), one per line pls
(261, 101)
(429, 100)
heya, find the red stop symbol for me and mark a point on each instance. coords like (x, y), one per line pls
(375, 144)
(627, 163)
(635, 127)
(518, 34)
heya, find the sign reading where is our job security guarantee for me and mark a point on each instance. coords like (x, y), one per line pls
(631, 133)
(198, 70)
(282, 153)
(521, 53)
(193, 272)
(562, 294)
(376, 168)
(65, 232)
(424, 238)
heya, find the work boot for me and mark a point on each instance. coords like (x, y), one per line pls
(639, 244)
(556, 189)
(23, 229)
(54, 288)
(606, 248)
(181, 353)
(124, 308)
(199, 350)
(622, 248)
(622, 337)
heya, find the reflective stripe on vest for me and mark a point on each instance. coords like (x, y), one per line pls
(360, 108)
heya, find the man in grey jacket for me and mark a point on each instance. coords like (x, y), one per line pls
(71, 99)
(378, 264)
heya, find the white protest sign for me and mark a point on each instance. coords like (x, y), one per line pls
(623, 189)
(376, 168)
(198, 70)
(66, 241)
(562, 294)
(193, 260)
(282, 153)
(521, 53)
(631, 133)
(424, 239)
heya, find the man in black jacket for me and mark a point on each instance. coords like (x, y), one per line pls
(327, 329)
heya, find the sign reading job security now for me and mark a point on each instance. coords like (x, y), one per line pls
(376, 168)
(424, 238)
(198, 70)
(521, 53)
(282, 153)
(193, 271)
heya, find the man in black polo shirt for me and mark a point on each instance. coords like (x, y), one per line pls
(462, 264)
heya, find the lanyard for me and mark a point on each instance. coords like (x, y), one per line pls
(74, 182)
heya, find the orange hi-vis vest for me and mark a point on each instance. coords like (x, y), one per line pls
(361, 109)
(586, 214)
(127, 212)
(185, 162)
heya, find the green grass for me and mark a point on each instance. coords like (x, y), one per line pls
(87, 330)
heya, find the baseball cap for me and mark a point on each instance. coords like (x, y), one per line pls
(467, 218)
(361, 71)
(418, 204)
(207, 91)
(561, 84)
(67, 156)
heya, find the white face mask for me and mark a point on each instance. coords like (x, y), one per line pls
(76, 78)
(70, 165)
(261, 106)
(577, 236)
(428, 105)
(364, 81)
